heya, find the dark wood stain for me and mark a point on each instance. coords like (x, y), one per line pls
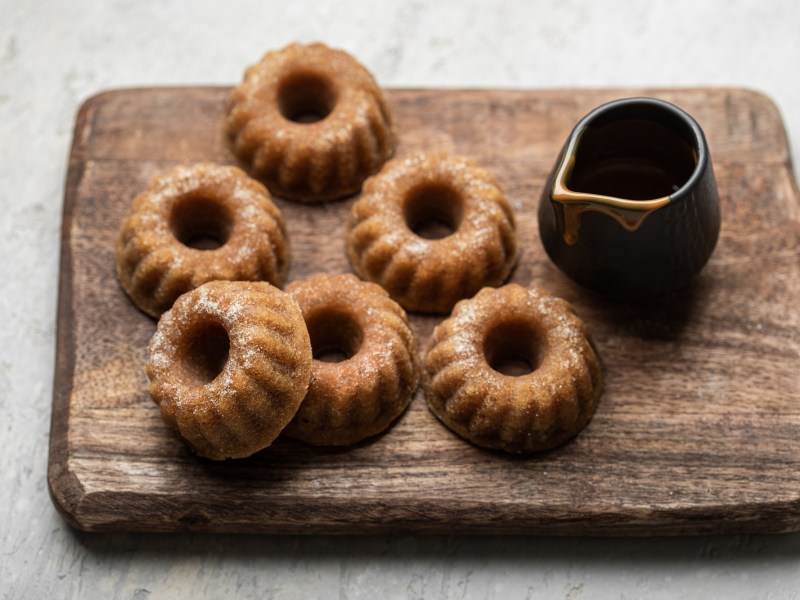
(698, 430)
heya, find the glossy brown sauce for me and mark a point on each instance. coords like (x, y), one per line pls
(631, 159)
(625, 169)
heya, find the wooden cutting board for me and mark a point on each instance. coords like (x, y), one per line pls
(698, 430)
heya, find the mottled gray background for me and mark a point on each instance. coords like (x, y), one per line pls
(55, 54)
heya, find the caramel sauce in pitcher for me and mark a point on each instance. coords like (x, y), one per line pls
(625, 169)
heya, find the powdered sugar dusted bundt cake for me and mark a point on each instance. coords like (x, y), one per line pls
(310, 122)
(373, 381)
(431, 230)
(512, 369)
(196, 224)
(229, 364)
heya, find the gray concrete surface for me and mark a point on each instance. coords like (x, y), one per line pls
(55, 54)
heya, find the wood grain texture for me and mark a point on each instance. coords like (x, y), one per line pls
(698, 430)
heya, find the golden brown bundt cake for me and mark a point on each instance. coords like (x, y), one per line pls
(197, 224)
(361, 394)
(229, 364)
(512, 369)
(310, 122)
(432, 229)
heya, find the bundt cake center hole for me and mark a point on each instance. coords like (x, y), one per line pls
(433, 210)
(335, 335)
(201, 222)
(206, 352)
(513, 348)
(306, 97)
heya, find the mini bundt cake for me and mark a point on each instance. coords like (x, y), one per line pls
(310, 122)
(362, 394)
(512, 369)
(197, 224)
(229, 365)
(432, 229)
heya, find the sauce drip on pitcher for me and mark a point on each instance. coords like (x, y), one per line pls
(624, 169)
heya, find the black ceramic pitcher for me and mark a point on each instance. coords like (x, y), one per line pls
(631, 208)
